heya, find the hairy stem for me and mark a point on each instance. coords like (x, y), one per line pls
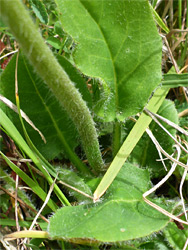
(17, 18)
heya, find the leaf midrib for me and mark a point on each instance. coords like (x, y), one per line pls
(111, 57)
(102, 207)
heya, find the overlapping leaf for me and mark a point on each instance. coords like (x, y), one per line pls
(121, 216)
(42, 107)
(117, 42)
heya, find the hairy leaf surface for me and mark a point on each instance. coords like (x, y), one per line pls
(117, 42)
(122, 215)
(42, 107)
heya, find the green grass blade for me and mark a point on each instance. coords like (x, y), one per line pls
(15, 135)
(33, 185)
(175, 80)
(130, 142)
(159, 21)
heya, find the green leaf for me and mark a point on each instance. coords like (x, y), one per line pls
(58, 29)
(175, 236)
(175, 80)
(121, 216)
(159, 21)
(117, 42)
(42, 107)
(2, 25)
(54, 42)
(40, 10)
(37, 160)
(72, 179)
(145, 152)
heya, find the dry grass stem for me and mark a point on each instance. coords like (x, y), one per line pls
(174, 139)
(75, 189)
(40, 211)
(181, 39)
(16, 209)
(170, 54)
(148, 131)
(181, 193)
(8, 54)
(168, 122)
(24, 116)
(186, 245)
(23, 203)
(153, 189)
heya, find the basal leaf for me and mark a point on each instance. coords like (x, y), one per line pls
(42, 107)
(121, 216)
(117, 42)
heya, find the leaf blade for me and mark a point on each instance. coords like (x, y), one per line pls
(122, 215)
(111, 46)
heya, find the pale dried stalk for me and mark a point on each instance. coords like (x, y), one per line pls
(26, 118)
(16, 210)
(186, 245)
(170, 54)
(180, 189)
(75, 189)
(181, 193)
(173, 138)
(172, 124)
(8, 54)
(43, 206)
(148, 131)
(153, 189)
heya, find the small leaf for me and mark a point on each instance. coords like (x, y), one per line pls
(58, 29)
(121, 216)
(40, 10)
(54, 42)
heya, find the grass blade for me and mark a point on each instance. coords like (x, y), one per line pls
(15, 135)
(33, 185)
(130, 142)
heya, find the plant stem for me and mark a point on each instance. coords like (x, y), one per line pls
(116, 138)
(17, 18)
